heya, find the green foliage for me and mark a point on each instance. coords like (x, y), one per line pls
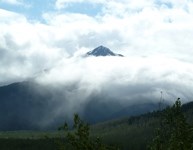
(27, 144)
(174, 132)
(133, 133)
(79, 138)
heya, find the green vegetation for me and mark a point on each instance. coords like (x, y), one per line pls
(174, 132)
(28, 144)
(79, 138)
(169, 129)
(33, 135)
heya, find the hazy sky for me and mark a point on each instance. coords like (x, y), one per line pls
(154, 35)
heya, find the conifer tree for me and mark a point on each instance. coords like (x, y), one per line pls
(79, 138)
(174, 132)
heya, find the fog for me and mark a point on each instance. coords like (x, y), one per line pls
(106, 85)
(47, 49)
(123, 77)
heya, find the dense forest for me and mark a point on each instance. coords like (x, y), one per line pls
(170, 128)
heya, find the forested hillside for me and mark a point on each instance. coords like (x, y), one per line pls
(136, 133)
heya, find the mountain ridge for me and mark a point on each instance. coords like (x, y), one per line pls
(102, 51)
(36, 107)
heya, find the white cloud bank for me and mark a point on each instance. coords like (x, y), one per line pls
(124, 78)
(156, 39)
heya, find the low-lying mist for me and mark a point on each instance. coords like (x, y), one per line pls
(105, 85)
(97, 88)
(124, 78)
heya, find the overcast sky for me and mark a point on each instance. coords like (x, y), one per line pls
(155, 36)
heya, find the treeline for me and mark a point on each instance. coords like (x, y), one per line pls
(79, 138)
(167, 129)
(173, 132)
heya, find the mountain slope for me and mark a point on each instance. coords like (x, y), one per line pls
(138, 130)
(22, 106)
(134, 133)
(28, 105)
(102, 51)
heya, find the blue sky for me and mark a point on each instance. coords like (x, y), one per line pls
(33, 9)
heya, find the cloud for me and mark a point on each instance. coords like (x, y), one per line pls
(96, 84)
(155, 38)
(141, 30)
(24, 47)
(155, 26)
(124, 78)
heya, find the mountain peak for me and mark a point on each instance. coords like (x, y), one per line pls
(102, 51)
